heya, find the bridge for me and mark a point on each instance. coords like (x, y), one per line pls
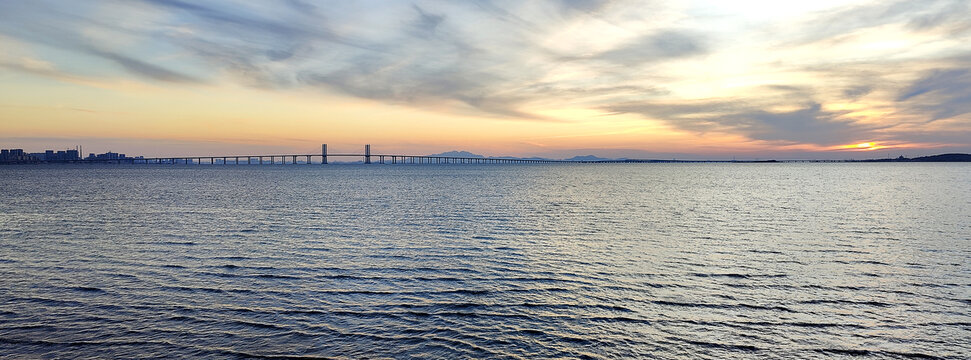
(323, 158)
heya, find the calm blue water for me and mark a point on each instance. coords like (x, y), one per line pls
(486, 261)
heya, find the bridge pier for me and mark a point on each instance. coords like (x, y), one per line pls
(324, 157)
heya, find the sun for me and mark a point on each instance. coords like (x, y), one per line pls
(866, 146)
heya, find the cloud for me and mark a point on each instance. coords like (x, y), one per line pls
(418, 57)
(584, 5)
(31, 65)
(57, 28)
(951, 16)
(663, 45)
(424, 54)
(248, 22)
(145, 69)
(808, 124)
(944, 93)
(426, 24)
(857, 92)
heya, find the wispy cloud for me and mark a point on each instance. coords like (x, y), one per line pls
(948, 16)
(660, 46)
(809, 124)
(942, 93)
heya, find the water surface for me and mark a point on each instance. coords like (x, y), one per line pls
(486, 261)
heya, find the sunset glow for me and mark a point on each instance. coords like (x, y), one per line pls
(540, 78)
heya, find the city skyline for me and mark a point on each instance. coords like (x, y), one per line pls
(706, 80)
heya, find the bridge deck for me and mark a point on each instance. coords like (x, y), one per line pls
(322, 159)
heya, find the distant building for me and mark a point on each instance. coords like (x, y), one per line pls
(19, 156)
(14, 155)
(107, 156)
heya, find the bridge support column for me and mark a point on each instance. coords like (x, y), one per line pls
(367, 154)
(323, 154)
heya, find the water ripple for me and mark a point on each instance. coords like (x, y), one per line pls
(679, 261)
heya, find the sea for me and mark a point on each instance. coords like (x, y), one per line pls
(504, 261)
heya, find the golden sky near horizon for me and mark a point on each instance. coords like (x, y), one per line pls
(549, 78)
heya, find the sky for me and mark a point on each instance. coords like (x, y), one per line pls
(642, 79)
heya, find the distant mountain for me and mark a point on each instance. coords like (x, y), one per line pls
(586, 158)
(456, 153)
(944, 157)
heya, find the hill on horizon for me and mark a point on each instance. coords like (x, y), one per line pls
(457, 153)
(944, 157)
(586, 158)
